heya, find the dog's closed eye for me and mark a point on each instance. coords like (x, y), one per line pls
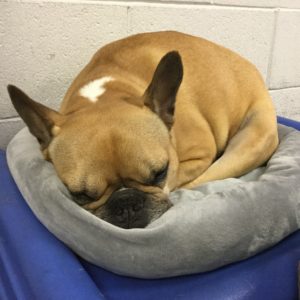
(158, 176)
(82, 197)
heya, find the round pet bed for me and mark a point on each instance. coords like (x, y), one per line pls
(216, 224)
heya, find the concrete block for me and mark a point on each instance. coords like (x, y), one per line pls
(260, 3)
(8, 129)
(246, 31)
(285, 68)
(43, 45)
(287, 102)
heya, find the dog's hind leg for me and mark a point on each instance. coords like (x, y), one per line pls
(252, 146)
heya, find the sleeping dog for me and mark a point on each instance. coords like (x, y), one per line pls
(149, 114)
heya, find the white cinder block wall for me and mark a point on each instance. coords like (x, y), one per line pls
(45, 43)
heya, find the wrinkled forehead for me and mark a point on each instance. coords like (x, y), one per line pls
(110, 145)
(143, 140)
(141, 157)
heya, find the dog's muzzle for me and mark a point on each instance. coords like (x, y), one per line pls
(132, 208)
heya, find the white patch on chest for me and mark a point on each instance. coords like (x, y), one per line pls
(95, 88)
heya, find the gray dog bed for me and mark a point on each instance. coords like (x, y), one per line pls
(216, 224)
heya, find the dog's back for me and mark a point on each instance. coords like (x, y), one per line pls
(221, 93)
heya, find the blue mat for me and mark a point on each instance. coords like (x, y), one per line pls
(35, 265)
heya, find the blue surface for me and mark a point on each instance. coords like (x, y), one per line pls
(288, 122)
(35, 265)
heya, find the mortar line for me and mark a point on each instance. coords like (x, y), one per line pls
(154, 2)
(285, 88)
(272, 46)
(128, 19)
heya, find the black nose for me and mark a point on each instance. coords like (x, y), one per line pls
(126, 208)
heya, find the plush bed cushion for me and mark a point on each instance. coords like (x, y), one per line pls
(214, 225)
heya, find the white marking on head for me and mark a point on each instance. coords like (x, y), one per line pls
(95, 88)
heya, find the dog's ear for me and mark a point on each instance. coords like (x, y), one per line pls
(160, 95)
(39, 118)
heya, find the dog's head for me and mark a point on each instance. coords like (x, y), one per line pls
(117, 160)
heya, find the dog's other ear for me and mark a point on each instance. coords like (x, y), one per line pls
(160, 95)
(39, 118)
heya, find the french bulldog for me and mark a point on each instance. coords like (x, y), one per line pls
(149, 114)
